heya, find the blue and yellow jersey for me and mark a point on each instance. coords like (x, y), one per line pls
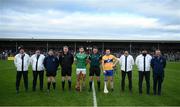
(108, 62)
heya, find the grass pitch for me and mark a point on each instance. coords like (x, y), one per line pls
(8, 97)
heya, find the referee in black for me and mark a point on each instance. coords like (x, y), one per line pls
(66, 60)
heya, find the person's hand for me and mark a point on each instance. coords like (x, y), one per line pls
(114, 66)
(104, 72)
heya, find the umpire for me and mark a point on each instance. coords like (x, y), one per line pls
(22, 61)
(158, 63)
(66, 60)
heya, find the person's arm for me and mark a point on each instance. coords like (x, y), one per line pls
(115, 61)
(15, 61)
(31, 59)
(87, 60)
(72, 59)
(28, 60)
(60, 60)
(137, 60)
(120, 60)
(57, 62)
(132, 60)
(75, 59)
(103, 66)
(152, 62)
(164, 65)
(44, 62)
(100, 59)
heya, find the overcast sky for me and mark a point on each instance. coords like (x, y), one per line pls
(93, 19)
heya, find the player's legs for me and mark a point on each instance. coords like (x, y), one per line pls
(48, 82)
(69, 77)
(84, 78)
(130, 80)
(35, 75)
(41, 79)
(78, 79)
(147, 77)
(111, 83)
(53, 82)
(63, 74)
(25, 77)
(18, 78)
(111, 79)
(69, 82)
(140, 81)
(123, 80)
(98, 72)
(105, 84)
(91, 74)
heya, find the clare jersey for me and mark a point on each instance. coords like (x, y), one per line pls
(108, 62)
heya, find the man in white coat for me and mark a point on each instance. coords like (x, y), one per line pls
(143, 62)
(38, 68)
(126, 62)
(21, 62)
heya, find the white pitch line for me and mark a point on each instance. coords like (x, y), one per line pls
(94, 96)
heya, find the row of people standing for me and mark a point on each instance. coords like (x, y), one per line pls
(39, 62)
(144, 62)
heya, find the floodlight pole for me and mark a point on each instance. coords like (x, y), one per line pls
(102, 47)
(16, 47)
(47, 45)
(75, 47)
(130, 46)
(158, 45)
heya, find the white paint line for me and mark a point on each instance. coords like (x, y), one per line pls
(94, 96)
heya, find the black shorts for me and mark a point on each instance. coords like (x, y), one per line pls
(94, 71)
(48, 74)
(66, 71)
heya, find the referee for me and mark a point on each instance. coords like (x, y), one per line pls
(66, 60)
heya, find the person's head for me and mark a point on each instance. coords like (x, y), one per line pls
(158, 53)
(81, 49)
(65, 49)
(21, 50)
(126, 53)
(51, 52)
(144, 52)
(95, 50)
(38, 52)
(108, 51)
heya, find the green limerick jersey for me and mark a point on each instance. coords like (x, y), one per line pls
(95, 58)
(81, 60)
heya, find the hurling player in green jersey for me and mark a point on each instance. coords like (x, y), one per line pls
(95, 63)
(81, 62)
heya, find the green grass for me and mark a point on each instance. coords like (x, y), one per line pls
(170, 93)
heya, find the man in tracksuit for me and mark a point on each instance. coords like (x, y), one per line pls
(21, 62)
(51, 64)
(158, 63)
(66, 60)
(38, 68)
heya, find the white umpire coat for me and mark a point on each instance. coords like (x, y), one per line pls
(130, 63)
(40, 65)
(143, 66)
(18, 62)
